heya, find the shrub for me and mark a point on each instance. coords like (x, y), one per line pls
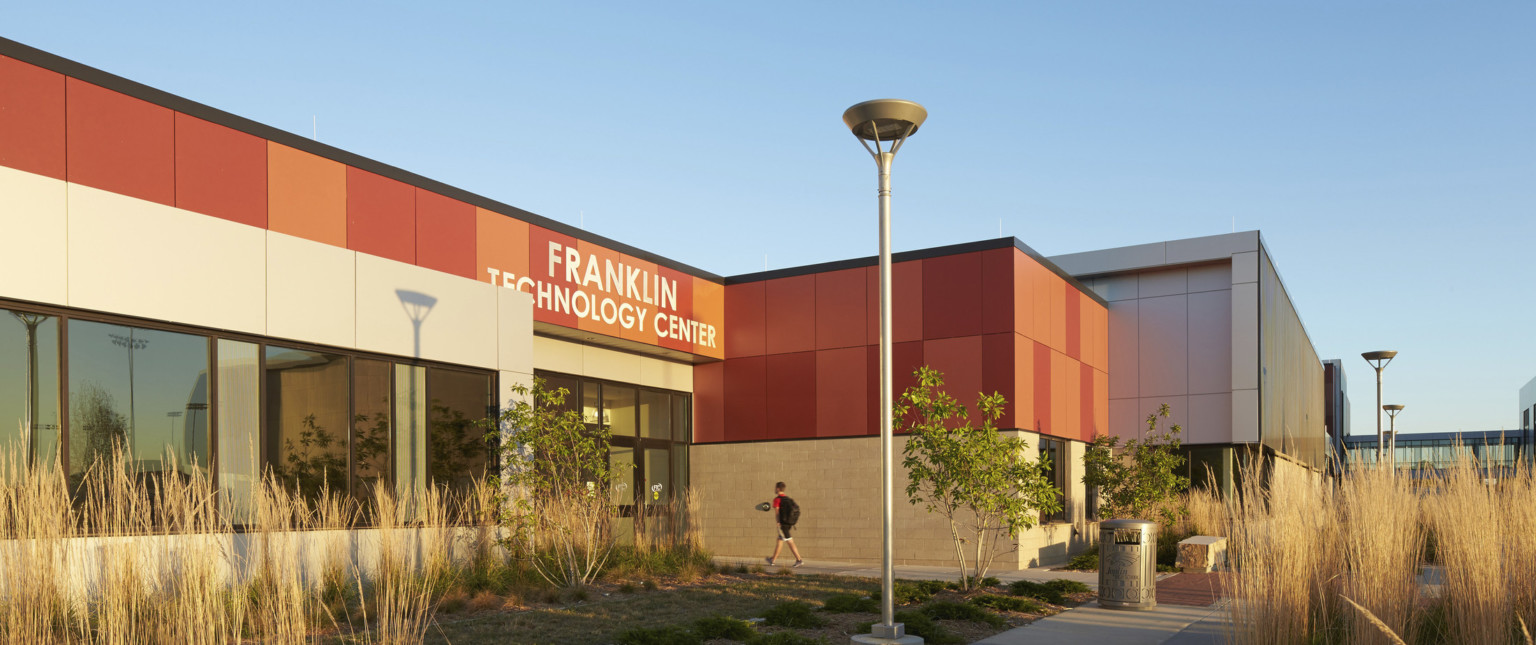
(1084, 562)
(628, 587)
(485, 601)
(970, 583)
(1038, 590)
(919, 624)
(945, 610)
(1068, 586)
(715, 627)
(787, 638)
(913, 591)
(847, 603)
(1007, 603)
(794, 614)
(669, 635)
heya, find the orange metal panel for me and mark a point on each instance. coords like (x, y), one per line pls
(791, 315)
(1022, 399)
(1042, 283)
(1023, 294)
(548, 255)
(1100, 403)
(119, 143)
(841, 314)
(1073, 320)
(381, 216)
(445, 235)
(1066, 410)
(220, 171)
(501, 250)
(31, 118)
(657, 324)
(952, 293)
(1044, 403)
(306, 195)
(841, 391)
(709, 310)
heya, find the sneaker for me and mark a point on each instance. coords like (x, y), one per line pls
(770, 561)
(798, 563)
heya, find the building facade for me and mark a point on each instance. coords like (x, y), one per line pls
(1528, 406)
(1335, 413)
(1425, 454)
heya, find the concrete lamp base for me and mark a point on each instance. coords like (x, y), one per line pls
(887, 635)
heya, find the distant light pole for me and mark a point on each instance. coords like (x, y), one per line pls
(132, 344)
(1392, 410)
(29, 414)
(173, 414)
(1378, 360)
(891, 120)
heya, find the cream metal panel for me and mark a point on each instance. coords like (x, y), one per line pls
(411, 311)
(1245, 336)
(514, 331)
(139, 258)
(556, 355)
(34, 264)
(1210, 342)
(311, 291)
(1210, 419)
(1163, 327)
(597, 362)
(666, 374)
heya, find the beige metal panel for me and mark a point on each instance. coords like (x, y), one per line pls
(1210, 419)
(1245, 336)
(1163, 336)
(505, 381)
(408, 310)
(597, 362)
(140, 258)
(311, 291)
(1245, 267)
(1167, 282)
(666, 374)
(556, 355)
(1118, 287)
(514, 331)
(1123, 348)
(1212, 247)
(1210, 342)
(34, 265)
(1245, 416)
(1211, 277)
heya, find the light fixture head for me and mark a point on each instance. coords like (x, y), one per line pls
(1392, 407)
(884, 119)
(1382, 355)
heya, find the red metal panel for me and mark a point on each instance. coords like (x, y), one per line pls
(381, 216)
(119, 143)
(709, 402)
(791, 387)
(1073, 299)
(1043, 420)
(997, 373)
(31, 118)
(997, 308)
(952, 296)
(905, 359)
(906, 301)
(445, 234)
(746, 415)
(745, 319)
(221, 171)
(840, 309)
(960, 361)
(546, 265)
(841, 390)
(790, 315)
(1023, 382)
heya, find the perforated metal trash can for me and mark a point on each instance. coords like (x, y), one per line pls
(1128, 564)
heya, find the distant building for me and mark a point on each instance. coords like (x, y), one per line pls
(1528, 406)
(1335, 413)
(1423, 454)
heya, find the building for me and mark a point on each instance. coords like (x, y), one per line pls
(1425, 454)
(1528, 406)
(1335, 413)
(1206, 326)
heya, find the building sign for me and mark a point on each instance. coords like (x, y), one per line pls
(581, 285)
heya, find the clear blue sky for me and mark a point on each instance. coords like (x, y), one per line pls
(1387, 150)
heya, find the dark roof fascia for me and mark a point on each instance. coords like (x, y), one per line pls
(54, 62)
(920, 254)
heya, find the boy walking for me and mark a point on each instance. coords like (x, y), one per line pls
(787, 514)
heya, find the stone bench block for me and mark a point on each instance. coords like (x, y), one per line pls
(1202, 554)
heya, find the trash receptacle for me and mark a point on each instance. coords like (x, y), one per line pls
(1127, 564)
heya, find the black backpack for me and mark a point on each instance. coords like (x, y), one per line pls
(789, 511)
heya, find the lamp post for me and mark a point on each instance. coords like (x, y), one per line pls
(1378, 360)
(132, 344)
(880, 121)
(1392, 410)
(31, 321)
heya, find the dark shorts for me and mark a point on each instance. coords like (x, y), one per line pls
(784, 530)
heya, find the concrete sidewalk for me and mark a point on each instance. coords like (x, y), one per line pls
(865, 570)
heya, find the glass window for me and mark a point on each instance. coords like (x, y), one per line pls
(621, 465)
(410, 429)
(658, 476)
(572, 389)
(461, 401)
(308, 416)
(143, 389)
(655, 415)
(372, 426)
(590, 402)
(680, 416)
(679, 469)
(239, 415)
(1052, 450)
(29, 386)
(619, 409)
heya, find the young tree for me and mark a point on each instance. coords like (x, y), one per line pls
(977, 478)
(556, 486)
(1141, 479)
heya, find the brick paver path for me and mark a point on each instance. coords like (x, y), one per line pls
(1190, 589)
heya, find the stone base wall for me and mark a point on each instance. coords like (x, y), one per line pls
(836, 482)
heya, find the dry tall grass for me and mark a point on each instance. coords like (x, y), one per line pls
(1315, 564)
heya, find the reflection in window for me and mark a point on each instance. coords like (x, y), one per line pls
(680, 416)
(29, 387)
(410, 429)
(1053, 450)
(307, 412)
(458, 453)
(239, 428)
(655, 415)
(144, 389)
(371, 401)
(619, 410)
(621, 466)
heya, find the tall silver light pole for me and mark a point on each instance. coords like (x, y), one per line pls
(133, 344)
(1378, 360)
(885, 120)
(1392, 410)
